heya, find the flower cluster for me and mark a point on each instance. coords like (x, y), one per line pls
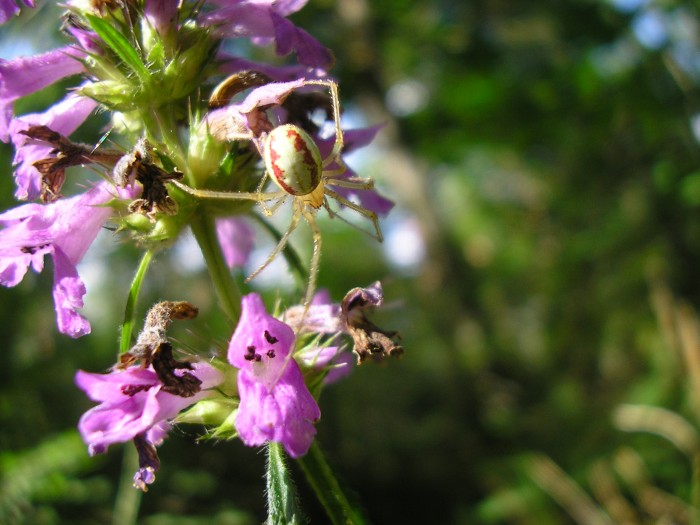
(182, 161)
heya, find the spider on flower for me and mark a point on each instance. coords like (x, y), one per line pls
(292, 160)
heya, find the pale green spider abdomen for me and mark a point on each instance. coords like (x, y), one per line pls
(293, 161)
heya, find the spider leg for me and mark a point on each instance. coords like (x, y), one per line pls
(331, 213)
(342, 167)
(339, 140)
(258, 190)
(296, 214)
(353, 183)
(229, 195)
(270, 211)
(310, 216)
(359, 209)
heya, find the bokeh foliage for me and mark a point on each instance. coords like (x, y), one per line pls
(545, 153)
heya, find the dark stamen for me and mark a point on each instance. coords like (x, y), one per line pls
(270, 353)
(270, 338)
(131, 390)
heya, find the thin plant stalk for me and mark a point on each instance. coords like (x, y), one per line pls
(327, 488)
(226, 288)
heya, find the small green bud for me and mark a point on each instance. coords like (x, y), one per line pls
(185, 70)
(212, 412)
(137, 222)
(128, 122)
(165, 228)
(153, 45)
(115, 94)
(205, 153)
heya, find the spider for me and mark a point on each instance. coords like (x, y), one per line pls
(294, 163)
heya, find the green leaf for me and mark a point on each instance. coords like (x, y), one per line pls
(120, 45)
(130, 308)
(282, 506)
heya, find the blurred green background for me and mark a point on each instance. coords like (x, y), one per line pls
(540, 264)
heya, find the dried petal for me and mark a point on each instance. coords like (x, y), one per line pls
(369, 339)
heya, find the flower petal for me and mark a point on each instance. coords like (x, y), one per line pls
(236, 238)
(310, 51)
(258, 333)
(65, 228)
(68, 292)
(25, 75)
(132, 402)
(286, 414)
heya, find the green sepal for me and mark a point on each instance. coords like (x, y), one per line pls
(137, 223)
(120, 45)
(186, 68)
(163, 231)
(205, 154)
(156, 56)
(116, 95)
(215, 412)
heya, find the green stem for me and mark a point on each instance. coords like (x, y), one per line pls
(128, 500)
(282, 506)
(130, 308)
(321, 478)
(226, 288)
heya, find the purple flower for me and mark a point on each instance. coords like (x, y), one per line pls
(132, 403)
(64, 118)
(86, 39)
(64, 229)
(322, 316)
(270, 94)
(275, 403)
(133, 406)
(236, 238)
(247, 119)
(230, 64)
(25, 75)
(264, 21)
(9, 8)
(332, 359)
(161, 14)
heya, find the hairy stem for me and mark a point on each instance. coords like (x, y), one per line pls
(282, 506)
